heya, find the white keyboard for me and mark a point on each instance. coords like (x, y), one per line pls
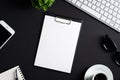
(107, 11)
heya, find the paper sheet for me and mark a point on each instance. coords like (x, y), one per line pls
(57, 44)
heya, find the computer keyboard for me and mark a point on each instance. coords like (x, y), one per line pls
(106, 11)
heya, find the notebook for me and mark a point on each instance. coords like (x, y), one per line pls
(57, 44)
(10, 74)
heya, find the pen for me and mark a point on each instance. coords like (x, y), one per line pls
(16, 74)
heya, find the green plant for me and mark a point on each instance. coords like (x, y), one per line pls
(42, 4)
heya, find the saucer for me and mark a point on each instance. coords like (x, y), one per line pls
(98, 68)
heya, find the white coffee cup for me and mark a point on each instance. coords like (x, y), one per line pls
(98, 72)
(99, 76)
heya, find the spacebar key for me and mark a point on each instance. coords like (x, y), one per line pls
(91, 11)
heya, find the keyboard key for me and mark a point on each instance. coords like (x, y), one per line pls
(110, 16)
(97, 9)
(118, 21)
(74, 1)
(112, 23)
(107, 4)
(78, 3)
(89, 4)
(110, 11)
(94, 1)
(112, 7)
(116, 9)
(116, 26)
(98, 4)
(93, 7)
(106, 8)
(84, 7)
(85, 2)
(101, 12)
(81, 0)
(116, 3)
(102, 6)
(112, 1)
(99, 0)
(118, 16)
(108, 0)
(114, 13)
(104, 2)
(89, 0)
(103, 18)
(119, 11)
(119, 6)
(108, 21)
(114, 19)
(105, 14)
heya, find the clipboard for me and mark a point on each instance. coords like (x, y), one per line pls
(58, 42)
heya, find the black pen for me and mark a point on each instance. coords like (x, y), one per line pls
(16, 74)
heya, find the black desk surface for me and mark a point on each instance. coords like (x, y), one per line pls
(21, 49)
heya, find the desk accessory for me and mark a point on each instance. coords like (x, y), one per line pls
(109, 45)
(42, 4)
(58, 43)
(6, 32)
(17, 74)
(12, 74)
(98, 72)
(106, 11)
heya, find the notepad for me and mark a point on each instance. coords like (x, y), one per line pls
(10, 74)
(57, 44)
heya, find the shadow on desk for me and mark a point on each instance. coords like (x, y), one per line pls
(79, 75)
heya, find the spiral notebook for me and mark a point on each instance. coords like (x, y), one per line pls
(10, 74)
(58, 42)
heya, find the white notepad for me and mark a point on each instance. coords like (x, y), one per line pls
(57, 44)
(10, 74)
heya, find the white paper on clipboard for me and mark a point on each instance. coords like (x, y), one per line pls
(57, 44)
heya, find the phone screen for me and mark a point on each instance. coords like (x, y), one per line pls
(4, 35)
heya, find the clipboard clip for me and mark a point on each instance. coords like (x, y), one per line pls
(63, 20)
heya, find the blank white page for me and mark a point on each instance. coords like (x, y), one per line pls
(57, 45)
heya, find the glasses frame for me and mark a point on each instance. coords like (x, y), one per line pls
(110, 46)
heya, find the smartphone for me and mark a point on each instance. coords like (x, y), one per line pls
(6, 32)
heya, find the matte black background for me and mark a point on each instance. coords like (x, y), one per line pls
(21, 49)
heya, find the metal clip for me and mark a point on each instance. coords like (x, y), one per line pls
(62, 20)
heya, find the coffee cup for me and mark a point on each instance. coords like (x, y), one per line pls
(99, 76)
(98, 72)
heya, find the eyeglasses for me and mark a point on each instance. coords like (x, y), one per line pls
(110, 46)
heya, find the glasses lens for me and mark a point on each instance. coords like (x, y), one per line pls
(108, 44)
(117, 58)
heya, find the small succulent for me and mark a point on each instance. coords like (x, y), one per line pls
(42, 4)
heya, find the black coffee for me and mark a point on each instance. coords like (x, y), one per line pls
(100, 77)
